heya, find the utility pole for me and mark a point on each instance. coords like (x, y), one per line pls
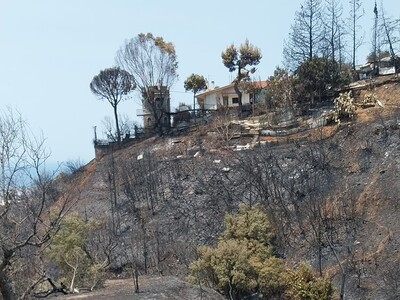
(375, 40)
(95, 134)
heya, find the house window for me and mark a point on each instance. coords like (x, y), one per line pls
(235, 100)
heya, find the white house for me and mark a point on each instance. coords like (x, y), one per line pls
(226, 96)
(385, 66)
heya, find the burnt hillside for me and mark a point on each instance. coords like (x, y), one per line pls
(332, 194)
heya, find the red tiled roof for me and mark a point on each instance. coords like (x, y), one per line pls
(261, 83)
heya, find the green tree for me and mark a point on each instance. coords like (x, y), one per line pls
(195, 83)
(243, 263)
(304, 284)
(113, 84)
(230, 267)
(239, 60)
(69, 252)
(320, 77)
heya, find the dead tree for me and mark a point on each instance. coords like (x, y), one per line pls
(27, 193)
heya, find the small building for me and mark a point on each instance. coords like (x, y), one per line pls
(226, 96)
(182, 115)
(385, 66)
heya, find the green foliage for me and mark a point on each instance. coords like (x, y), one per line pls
(240, 60)
(242, 263)
(112, 84)
(319, 76)
(195, 83)
(344, 107)
(244, 246)
(250, 225)
(270, 273)
(68, 252)
(305, 285)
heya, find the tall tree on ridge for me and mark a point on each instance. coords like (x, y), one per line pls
(195, 83)
(375, 41)
(307, 35)
(238, 60)
(356, 12)
(113, 84)
(334, 30)
(153, 63)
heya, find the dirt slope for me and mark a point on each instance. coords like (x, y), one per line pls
(151, 288)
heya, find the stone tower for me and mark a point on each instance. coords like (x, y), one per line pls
(156, 108)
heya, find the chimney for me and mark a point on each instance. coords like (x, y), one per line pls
(211, 86)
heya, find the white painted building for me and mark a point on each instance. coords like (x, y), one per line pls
(225, 96)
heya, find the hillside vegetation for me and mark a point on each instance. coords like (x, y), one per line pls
(331, 195)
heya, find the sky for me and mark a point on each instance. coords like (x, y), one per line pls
(50, 50)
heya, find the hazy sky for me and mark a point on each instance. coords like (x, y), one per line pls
(51, 49)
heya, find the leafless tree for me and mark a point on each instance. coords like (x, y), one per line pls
(224, 126)
(153, 63)
(28, 212)
(306, 36)
(126, 126)
(142, 185)
(335, 31)
(390, 29)
(356, 13)
(281, 90)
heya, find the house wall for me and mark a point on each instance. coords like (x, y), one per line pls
(213, 100)
(210, 102)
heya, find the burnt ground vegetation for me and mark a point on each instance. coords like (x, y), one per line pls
(332, 199)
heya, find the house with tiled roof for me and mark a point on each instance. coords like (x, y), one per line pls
(225, 96)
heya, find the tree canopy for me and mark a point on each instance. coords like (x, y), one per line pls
(153, 63)
(242, 60)
(320, 77)
(69, 252)
(243, 263)
(195, 83)
(113, 84)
